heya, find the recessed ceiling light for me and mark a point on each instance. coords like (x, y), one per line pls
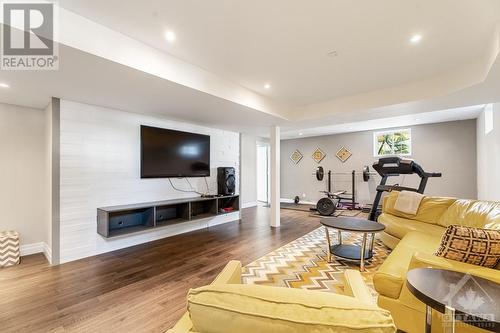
(267, 86)
(170, 36)
(332, 54)
(416, 39)
(301, 133)
(4, 85)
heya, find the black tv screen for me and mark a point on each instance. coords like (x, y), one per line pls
(167, 153)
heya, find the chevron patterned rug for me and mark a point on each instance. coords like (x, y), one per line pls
(302, 264)
(9, 248)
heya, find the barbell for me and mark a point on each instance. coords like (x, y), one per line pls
(320, 173)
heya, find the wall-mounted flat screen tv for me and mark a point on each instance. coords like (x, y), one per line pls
(167, 153)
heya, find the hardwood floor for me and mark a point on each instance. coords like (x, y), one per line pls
(138, 289)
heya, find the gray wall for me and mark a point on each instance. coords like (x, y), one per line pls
(449, 148)
(488, 157)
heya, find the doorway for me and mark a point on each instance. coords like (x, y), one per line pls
(263, 173)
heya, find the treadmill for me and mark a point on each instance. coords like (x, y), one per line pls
(394, 166)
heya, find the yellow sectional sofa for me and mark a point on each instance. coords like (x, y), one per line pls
(228, 306)
(414, 240)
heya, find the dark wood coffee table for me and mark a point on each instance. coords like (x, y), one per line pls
(351, 251)
(463, 297)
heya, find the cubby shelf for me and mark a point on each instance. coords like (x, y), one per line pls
(121, 220)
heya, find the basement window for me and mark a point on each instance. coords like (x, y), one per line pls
(392, 143)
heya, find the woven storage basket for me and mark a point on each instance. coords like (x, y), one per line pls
(9, 248)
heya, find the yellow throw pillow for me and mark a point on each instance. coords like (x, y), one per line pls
(262, 309)
(471, 245)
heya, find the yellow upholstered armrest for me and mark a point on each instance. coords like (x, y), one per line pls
(184, 325)
(250, 308)
(356, 287)
(231, 274)
(423, 260)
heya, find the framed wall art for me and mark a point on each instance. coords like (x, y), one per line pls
(343, 154)
(318, 155)
(296, 156)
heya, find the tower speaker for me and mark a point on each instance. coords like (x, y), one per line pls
(226, 181)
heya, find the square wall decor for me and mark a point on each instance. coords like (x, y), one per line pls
(318, 155)
(343, 154)
(296, 156)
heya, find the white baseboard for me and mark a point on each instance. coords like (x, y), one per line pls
(249, 204)
(302, 202)
(149, 235)
(47, 251)
(33, 248)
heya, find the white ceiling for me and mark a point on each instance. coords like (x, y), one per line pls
(431, 117)
(377, 78)
(86, 78)
(285, 42)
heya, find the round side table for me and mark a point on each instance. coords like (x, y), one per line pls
(463, 297)
(351, 251)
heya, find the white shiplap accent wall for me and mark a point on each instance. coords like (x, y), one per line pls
(100, 166)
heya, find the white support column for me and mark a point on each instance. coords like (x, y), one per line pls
(275, 177)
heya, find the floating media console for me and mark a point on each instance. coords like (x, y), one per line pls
(126, 219)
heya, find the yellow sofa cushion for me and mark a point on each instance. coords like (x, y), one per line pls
(391, 275)
(423, 260)
(472, 213)
(399, 227)
(254, 308)
(430, 210)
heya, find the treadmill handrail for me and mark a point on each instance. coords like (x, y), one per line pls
(395, 166)
(433, 174)
(389, 188)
